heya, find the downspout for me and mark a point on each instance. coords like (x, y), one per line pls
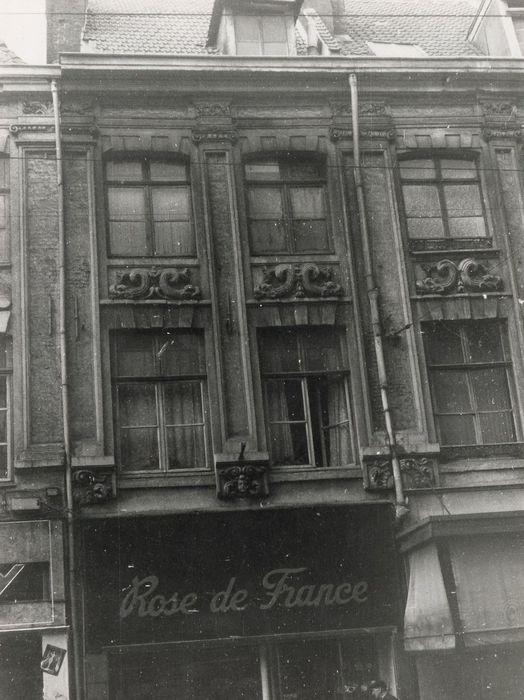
(373, 298)
(64, 387)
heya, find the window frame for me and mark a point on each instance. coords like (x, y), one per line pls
(422, 242)
(261, 43)
(4, 195)
(159, 382)
(146, 185)
(467, 367)
(285, 184)
(309, 380)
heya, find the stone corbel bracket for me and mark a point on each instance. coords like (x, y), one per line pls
(245, 477)
(418, 472)
(297, 281)
(93, 486)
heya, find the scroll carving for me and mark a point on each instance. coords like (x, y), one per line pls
(468, 275)
(171, 284)
(298, 281)
(417, 472)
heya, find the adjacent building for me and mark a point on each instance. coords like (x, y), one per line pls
(262, 352)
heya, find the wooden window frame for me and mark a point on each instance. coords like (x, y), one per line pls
(6, 373)
(159, 382)
(316, 440)
(146, 184)
(285, 183)
(467, 367)
(440, 183)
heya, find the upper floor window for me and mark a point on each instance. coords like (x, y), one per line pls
(306, 393)
(470, 375)
(261, 35)
(4, 201)
(286, 206)
(442, 198)
(5, 405)
(159, 386)
(149, 207)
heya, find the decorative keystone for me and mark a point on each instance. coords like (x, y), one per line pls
(92, 487)
(446, 276)
(298, 281)
(242, 478)
(172, 284)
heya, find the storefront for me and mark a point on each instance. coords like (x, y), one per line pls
(276, 605)
(464, 617)
(33, 635)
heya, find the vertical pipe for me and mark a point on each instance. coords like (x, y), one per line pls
(64, 388)
(373, 294)
(264, 671)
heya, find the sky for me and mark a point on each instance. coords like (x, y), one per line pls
(22, 27)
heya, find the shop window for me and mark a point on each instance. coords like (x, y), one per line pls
(470, 374)
(443, 199)
(149, 207)
(5, 406)
(261, 35)
(287, 208)
(159, 385)
(306, 392)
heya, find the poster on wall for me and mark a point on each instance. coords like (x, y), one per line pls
(52, 659)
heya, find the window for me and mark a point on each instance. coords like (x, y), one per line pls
(265, 35)
(287, 206)
(471, 382)
(4, 197)
(149, 208)
(442, 198)
(5, 406)
(396, 50)
(305, 383)
(159, 384)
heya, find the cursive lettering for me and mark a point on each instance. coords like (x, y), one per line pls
(141, 598)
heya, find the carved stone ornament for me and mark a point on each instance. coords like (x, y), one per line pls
(41, 128)
(417, 473)
(297, 281)
(79, 107)
(242, 479)
(212, 109)
(445, 277)
(37, 108)
(200, 135)
(171, 283)
(91, 488)
(337, 134)
(502, 132)
(498, 109)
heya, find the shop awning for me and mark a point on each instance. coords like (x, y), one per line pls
(479, 596)
(489, 578)
(427, 622)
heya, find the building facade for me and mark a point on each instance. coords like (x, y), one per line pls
(262, 355)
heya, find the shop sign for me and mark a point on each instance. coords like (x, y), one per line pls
(242, 574)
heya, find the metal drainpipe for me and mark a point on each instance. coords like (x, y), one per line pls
(373, 294)
(73, 597)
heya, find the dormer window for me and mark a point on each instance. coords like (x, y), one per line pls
(261, 35)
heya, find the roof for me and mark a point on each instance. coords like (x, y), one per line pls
(8, 56)
(439, 27)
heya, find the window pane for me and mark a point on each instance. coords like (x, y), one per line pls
(419, 169)
(443, 343)
(183, 403)
(268, 237)
(265, 203)
(247, 28)
(274, 29)
(4, 238)
(284, 400)
(276, 49)
(174, 238)
(490, 388)
(185, 448)
(134, 354)
(127, 226)
(4, 464)
(307, 202)
(166, 170)
(456, 169)
(321, 349)
(3, 425)
(279, 351)
(463, 201)
(474, 227)
(128, 239)
(249, 48)
(485, 342)
(457, 430)
(310, 236)
(126, 203)
(3, 392)
(137, 405)
(288, 444)
(138, 449)
(450, 389)
(181, 353)
(172, 227)
(262, 171)
(497, 427)
(421, 201)
(124, 170)
(425, 228)
(330, 421)
(170, 203)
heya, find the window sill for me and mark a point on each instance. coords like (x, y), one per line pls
(309, 473)
(449, 453)
(148, 480)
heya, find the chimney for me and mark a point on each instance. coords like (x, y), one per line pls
(64, 22)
